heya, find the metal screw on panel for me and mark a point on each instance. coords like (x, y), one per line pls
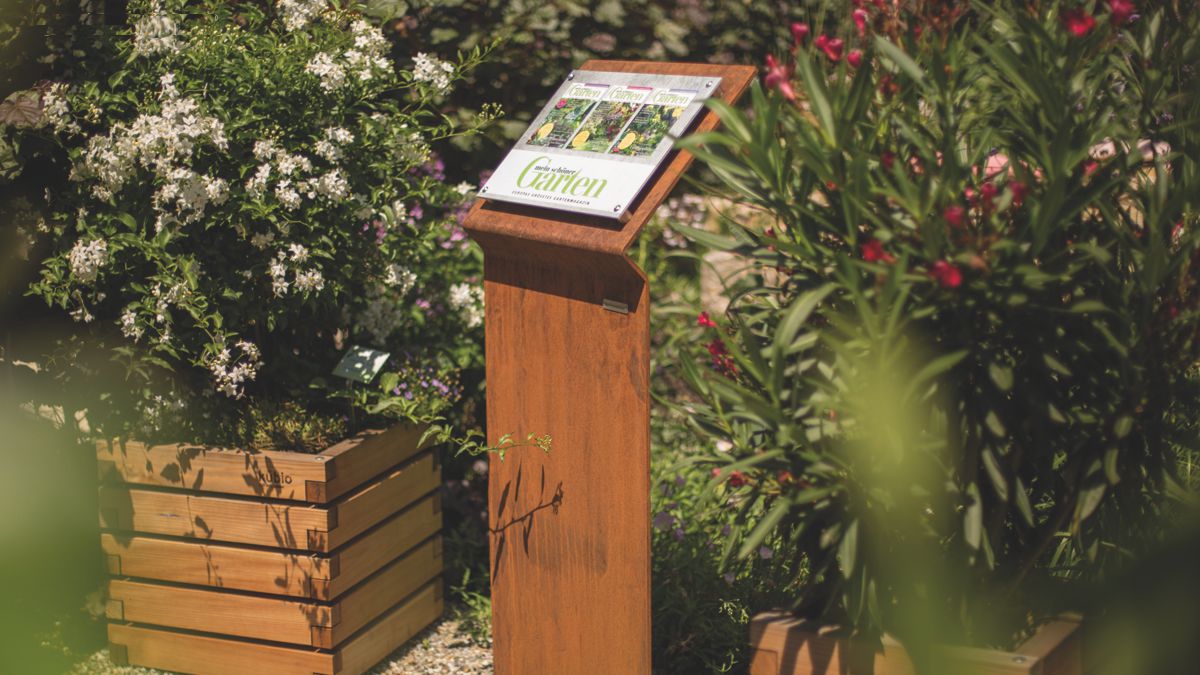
(708, 84)
(616, 208)
(483, 189)
(571, 75)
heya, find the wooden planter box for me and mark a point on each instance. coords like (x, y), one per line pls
(781, 644)
(226, 561)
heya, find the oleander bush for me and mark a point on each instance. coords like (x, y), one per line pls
(245, 189)
(955, 383)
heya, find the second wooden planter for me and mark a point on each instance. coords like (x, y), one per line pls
(781, 644)
(226, 561)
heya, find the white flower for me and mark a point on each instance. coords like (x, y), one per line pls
(230, 374)
(429, 69)
(86, 259)
(464, 188)
(327, 150)
(261, 241)
(468, 300)
(333, 185)
(287, 194)
(265, 149)
(258, 183)
(297, 14)
(56, 110)
(278, 272)
(155, 33)
(309, 280)
(332, 75)
(400, 279)
(297, 253)
(129, 327)
(339, 135)
(380, 317)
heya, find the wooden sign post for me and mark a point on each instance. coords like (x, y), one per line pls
(568, 354)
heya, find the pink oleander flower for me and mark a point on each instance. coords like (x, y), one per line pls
(1121, 11)
(955, 215)
(780, 78)
(872, 251)
(1078, 22)
(854, 58)
(799, 32)
(946, 274)
(860, 21)
(705, 321)
(833, 49)
(1019, 190)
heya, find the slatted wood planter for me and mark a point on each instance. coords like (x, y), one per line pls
(224, 561)
(781, 644)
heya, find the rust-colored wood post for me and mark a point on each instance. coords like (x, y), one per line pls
(568, 354)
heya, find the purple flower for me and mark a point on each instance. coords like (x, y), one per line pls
(663, 521)
(729, 577)
(678, 534)
(765, 553)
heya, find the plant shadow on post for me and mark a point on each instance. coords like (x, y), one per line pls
(512, 493)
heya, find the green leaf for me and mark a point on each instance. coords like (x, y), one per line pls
(995, 473)
(1123, 426)
(1111, 455)
(903, 61)
(992, 420)
(1022, 500)
(1056, 365)
(1001, 376)
(848, 549)
(973, 518)
(765, 527)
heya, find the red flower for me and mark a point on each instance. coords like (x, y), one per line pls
(799, 32)
(987, 195)
(955, 215)
(860, 21)
(1019, 190)
(887, 159)
(1078, 22)
(872, 251)
(821, 41)
(784, 477)
(737, 479)
(704, 321)
(854, 58)
(833, 49)
(780, 78)
(946, 274)
(561, 102)
(722, 362)
(1120, 11)
(1089, 167)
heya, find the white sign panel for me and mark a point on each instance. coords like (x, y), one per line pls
(598, 141)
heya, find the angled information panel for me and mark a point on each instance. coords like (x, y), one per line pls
(597, 142)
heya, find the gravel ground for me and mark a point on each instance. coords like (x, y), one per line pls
(441, 649)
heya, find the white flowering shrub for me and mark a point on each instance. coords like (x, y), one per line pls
(251, 190)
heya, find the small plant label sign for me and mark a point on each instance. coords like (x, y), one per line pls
(598, 141)
(361, 364)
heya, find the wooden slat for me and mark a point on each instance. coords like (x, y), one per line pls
(783, 645)
(279, 572)
(362, 605)
(246, 569)
(361, 557)
(357, 460)
(364, 508)
(209, 611)
(180, 514)
(394, 629)
(189, 653)
(277, 475)
(186, 653)
(275, 618)
(317, 478)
